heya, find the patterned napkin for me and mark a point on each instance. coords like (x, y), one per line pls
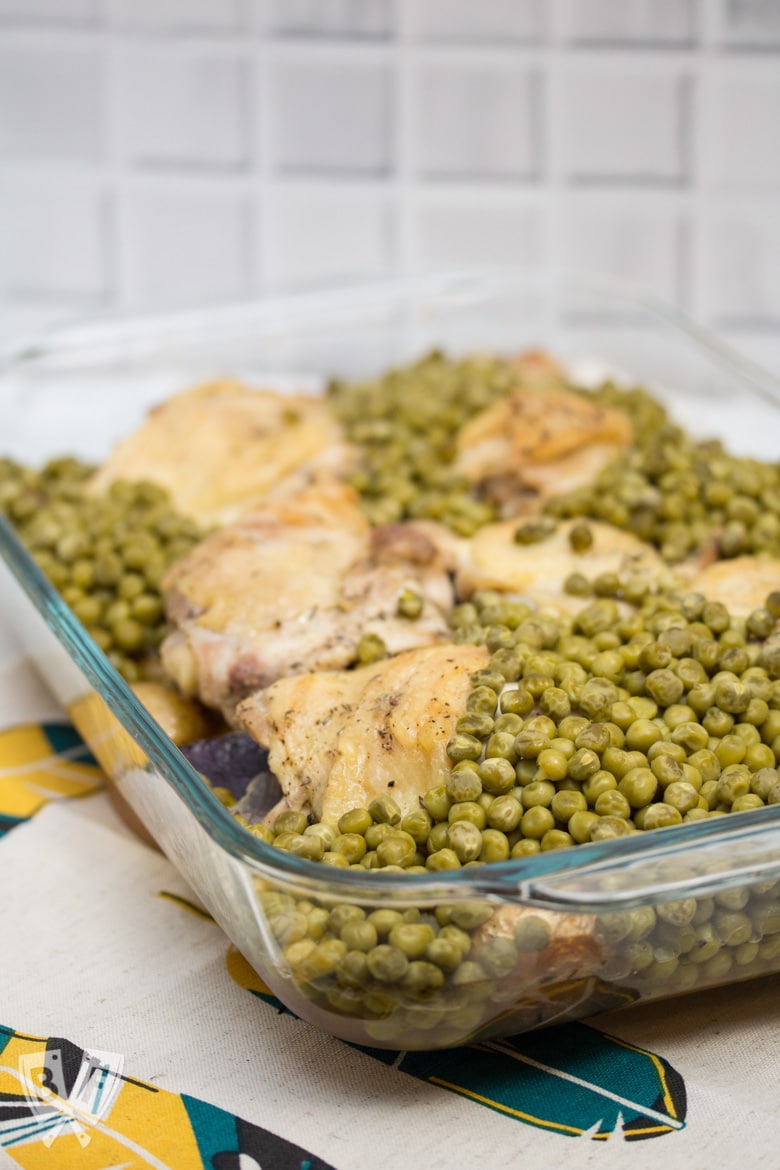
(133, 1035)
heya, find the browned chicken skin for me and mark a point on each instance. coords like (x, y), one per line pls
(292, 588)
(338, 739)
(741, 584)
(492, 559)
(533, 444)
(222, 448)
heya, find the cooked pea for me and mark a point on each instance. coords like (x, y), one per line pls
(387, 964)
(497, 775)
(398, 848)
(465, 839)
(555, 839)
(599, 782)
(580, 825)
(657, 816)
(537, 793)
(495, 846)
(639, 787)
(504, 813)
(536, 821)
(607, 827)
(612, 804)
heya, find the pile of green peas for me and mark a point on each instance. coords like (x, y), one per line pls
(679, 494)
(611, 724)
(437, 976)
(105, 554)
(579, 729)
(406, 423)
(413, 977)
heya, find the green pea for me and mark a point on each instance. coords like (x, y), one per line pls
(536, 821)
(437, 802)
(511, 723)
(359, 935)
(479, 726)
(594, 737)
(763, 781)
(517, 702)
(464, 747)
(352, 846)
(570, 727)
(370, 648)
(444, 953)
(387, 964)
(612, 804)
(759, 756)
(422, 979)
(583, 764)
(638, 786)
(468, 810)
(465, 840)
(483, 700)
(716, 722)
(599, 782)
(377, 833)
(556, 839)
(657, 816)
(553, 763)
(495, 846)
(731, 750)
(398, 848)
(497, 957)
(706, 763)
(682, 796)
(532, 934)
(463, 785)
(383, 920)
(437, 838)
(443, 859)
(412, 939)
(290, 821)
(311, 848)
(607, 827)
(529, 743)
(409, 604)
(642, 734)
(537, 793)
(504, 813)
(357, 820)
(664, 687)
(555, 702)
(580, 537)
(732, 696)
(580, 825)
(734, 781)
(566, 803)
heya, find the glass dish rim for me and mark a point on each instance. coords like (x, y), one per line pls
(519, 878)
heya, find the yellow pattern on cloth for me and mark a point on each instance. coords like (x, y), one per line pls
(40, 763)
(146, 1126)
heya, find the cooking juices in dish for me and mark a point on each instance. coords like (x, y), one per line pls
(472, 614)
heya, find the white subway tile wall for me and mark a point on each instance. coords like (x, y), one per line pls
(332, 118)
(161, 152)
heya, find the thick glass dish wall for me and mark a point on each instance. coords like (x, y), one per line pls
(519, 944)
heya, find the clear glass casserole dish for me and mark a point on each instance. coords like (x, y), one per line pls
(519, 944)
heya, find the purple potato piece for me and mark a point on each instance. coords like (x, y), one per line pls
(233, 761)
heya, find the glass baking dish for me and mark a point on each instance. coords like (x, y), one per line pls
(521, 944)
